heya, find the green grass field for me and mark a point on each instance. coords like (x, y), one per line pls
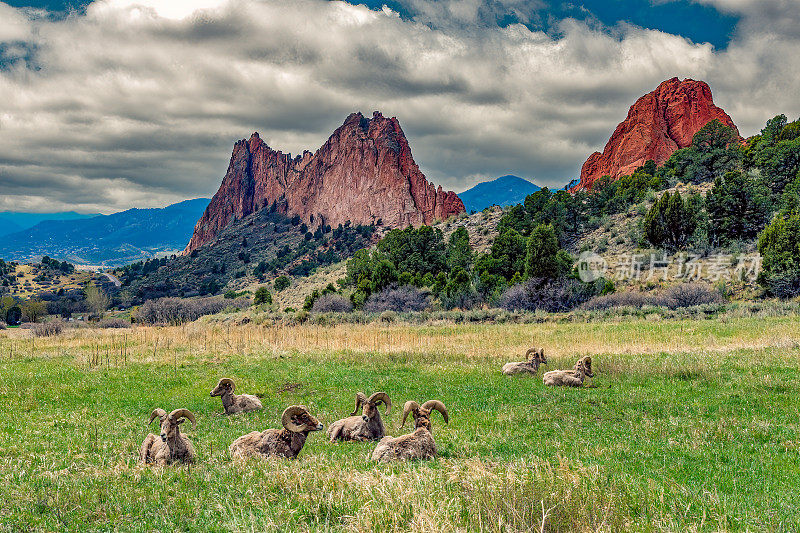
(705, 438)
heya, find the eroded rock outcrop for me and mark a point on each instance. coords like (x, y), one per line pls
(658, 123)
(363, 173)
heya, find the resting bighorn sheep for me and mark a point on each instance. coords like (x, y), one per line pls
(368, 426)
(287, 442)
(416, 445)
(235, 403)
(531, 366)
(570, 378)
(171, 446)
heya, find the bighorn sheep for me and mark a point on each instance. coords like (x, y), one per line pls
(570, 378)
(416, 445)
(531, 366)
(235, 403)
(171, 445)
(287, 442)
(368, 426)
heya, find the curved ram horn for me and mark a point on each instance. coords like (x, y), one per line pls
(382, 397)
(409, 406)
(227, 381)
(438, 406)
(177, 414)
(361, 398)
(160, 413)
(286, 418)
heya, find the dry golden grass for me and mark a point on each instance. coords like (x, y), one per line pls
(491, 342)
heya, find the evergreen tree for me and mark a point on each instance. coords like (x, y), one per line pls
(738, 208)
(544, 257)
(459, 251)
(671, 222)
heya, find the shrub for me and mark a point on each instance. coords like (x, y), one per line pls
(675, 297)
(262, 296)
(282, 282)
(332, 303)
(2, 325)
(48, 329)
(388, 316)
(540, 294)
(689, 295)
(176, 311)
(398, 299)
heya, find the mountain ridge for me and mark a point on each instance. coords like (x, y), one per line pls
(503, 191)
(363, 173)
(108, 240)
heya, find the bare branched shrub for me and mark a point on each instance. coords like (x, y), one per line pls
(48, 329)
(332, 303)
(113, 323)
(397, 299)
(176, 311)
(689, 295)
(547, 295)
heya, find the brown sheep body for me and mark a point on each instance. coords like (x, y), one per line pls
(570, 378)
(366, 426)
(530, 366)
(235, 403)
(171, 445)
(287, 442)
(418, 444)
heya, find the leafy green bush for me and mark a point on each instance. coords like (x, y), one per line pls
(262, 296)
(282, 283)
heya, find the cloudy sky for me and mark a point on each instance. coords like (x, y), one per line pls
(112, 104)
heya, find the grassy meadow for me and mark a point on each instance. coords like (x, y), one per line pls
(688, 425)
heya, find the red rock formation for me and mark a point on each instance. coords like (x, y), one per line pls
(658, 123)
(364, 172)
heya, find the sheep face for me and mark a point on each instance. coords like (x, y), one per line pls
(585, 365)
(224, 386)
(422, 414)
(369, 406)
(170, 423)
(301, 421)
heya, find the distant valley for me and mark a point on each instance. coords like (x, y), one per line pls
(106, 240)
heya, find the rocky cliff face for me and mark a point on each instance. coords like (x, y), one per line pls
(658, 123)
(363, 173)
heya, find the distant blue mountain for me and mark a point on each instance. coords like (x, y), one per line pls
(12, 222)
(504, 191)
(108, 240)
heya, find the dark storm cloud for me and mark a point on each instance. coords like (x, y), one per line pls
(137, 103)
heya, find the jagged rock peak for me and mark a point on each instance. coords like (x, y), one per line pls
(658, 123)
(363, 173)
